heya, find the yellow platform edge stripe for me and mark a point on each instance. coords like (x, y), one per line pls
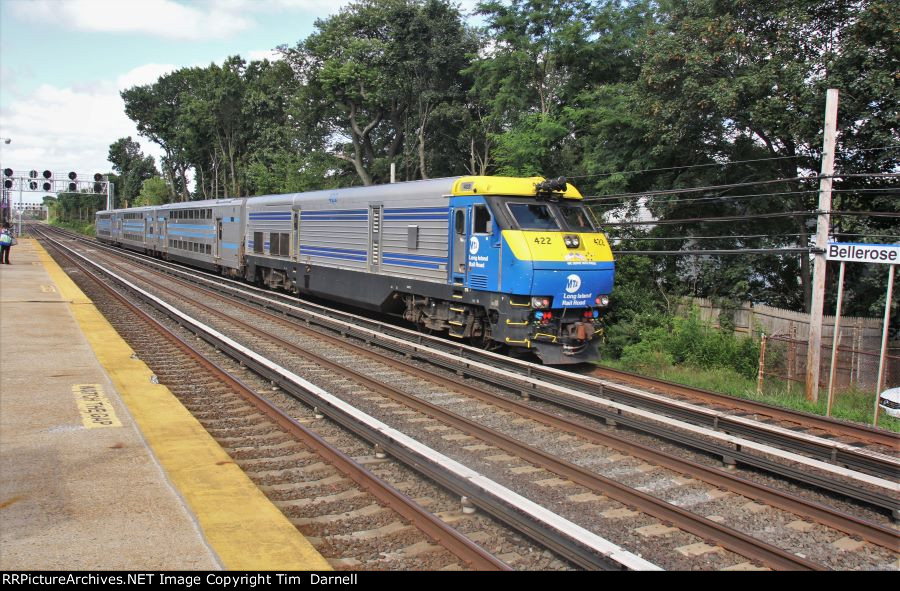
(240, 524)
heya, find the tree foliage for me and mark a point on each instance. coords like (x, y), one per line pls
(623, 97)
(380, 76)
(132, 166)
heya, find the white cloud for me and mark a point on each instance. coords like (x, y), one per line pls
(143, 75)
(162, 18)
(262, 54)
(66, 129)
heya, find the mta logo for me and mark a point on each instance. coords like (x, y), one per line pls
(473, 245)
(573, 283)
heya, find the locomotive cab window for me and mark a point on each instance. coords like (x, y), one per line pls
(577, 218)
(459, 223)
(533, 216)
(481, 220)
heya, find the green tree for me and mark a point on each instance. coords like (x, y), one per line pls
(157, 111)
(154, 191)
(377, 73)
(735, 78)
(132, 166)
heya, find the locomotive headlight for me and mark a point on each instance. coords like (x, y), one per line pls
(602, 301)
(571, 241)
(540, 302)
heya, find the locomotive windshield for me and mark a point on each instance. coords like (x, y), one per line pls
(533, 216)
(577, 218)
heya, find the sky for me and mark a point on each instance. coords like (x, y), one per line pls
(63, 64)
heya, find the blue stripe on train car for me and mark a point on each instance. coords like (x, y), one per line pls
(326, 212)
(399, 263)
(347, 218)
(416, 209)
(416, 257)
(270, 216)
(191, 234)
(333, 253)
(191, 226)
(411, 218)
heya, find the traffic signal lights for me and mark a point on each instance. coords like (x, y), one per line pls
(72, 176)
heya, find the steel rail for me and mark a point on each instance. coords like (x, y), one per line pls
(555, 536)
(725, 536)
(439, 531)
(807, 420)
(872, 532)
(867, 530)
(551, 376)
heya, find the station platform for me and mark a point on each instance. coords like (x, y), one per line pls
(100, 468)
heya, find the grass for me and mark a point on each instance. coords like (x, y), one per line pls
(82, 227)
(852, 405)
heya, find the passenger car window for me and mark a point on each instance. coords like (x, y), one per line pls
(533, 216)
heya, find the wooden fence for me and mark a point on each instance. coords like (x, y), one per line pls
(859, 345)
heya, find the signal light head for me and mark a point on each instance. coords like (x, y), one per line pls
(47, 174)
(47, 186)
(7, 172)
(72, 176)
(98, 177)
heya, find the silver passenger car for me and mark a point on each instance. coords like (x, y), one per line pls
(206, 233)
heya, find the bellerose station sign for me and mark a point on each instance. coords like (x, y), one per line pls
(888, 254)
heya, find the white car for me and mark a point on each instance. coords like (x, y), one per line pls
(890, 401)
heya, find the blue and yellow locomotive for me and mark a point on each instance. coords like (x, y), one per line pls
(494, 261)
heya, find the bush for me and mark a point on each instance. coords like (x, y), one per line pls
(687, 341)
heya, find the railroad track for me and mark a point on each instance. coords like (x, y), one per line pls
(316, 485)
(597, 448)
(735, 438)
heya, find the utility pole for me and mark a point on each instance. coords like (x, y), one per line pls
(814, 349)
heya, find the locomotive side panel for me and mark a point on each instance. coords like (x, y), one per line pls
(414, 240)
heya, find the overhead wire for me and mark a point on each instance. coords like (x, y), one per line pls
(737, 185)
(742, 237)
(740, 251)
(730, 218)
(686, 166)
(729, 163)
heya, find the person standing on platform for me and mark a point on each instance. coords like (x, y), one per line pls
(6, 243)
